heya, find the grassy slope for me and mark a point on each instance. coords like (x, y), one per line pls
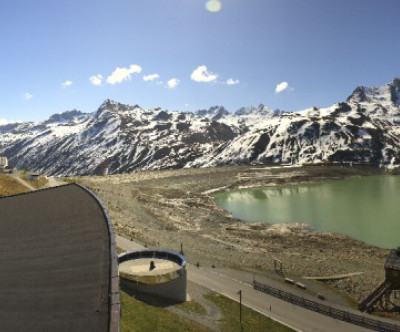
(138, 316)
(10, 186)
(252, 321)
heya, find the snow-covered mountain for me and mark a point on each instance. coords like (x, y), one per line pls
(122, 138)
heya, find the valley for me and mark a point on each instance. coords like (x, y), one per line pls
(172, 207)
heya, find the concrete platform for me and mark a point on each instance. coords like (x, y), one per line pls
(141, 267)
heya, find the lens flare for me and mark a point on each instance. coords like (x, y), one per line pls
(213, 6)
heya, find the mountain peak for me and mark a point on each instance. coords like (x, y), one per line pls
(114, 106)
(394, 87)
(385, 94)
(67, 116)
(260, 109)
(214, 111)
(108, 103)
(395, 82)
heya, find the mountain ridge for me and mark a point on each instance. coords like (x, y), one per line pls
(121, 138)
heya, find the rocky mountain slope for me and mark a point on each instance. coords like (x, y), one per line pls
(122, 138)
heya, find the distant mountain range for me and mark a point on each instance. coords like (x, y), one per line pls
(123, 138)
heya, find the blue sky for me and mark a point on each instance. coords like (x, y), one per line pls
(322, 49)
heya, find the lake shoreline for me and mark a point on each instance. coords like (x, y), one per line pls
(364, 208)
(167, 208)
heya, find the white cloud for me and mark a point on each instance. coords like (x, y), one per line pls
(231, 81)
(96, 79)
(66, 84)
(150, 77)
(27, 96)
(281, 87)
(201, 74)
(4, 121)
(173, 83)
(123, 74)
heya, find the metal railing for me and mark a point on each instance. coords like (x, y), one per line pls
(342, 315)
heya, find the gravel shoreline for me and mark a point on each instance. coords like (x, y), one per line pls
(173, 207)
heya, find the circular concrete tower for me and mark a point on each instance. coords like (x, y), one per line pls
(155, 272)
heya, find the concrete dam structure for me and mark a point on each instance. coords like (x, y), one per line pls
(59, 269)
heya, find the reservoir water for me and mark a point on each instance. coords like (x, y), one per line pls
(367, 209)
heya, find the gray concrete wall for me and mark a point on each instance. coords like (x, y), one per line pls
(175, 289)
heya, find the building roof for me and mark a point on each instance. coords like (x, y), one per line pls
(393, 261)
(58, 262)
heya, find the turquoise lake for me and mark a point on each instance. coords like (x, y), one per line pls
(367, 209)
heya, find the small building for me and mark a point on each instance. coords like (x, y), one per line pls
(3, 162)
(7, 170)
(392, 269)
(389, 288)
(33, 176)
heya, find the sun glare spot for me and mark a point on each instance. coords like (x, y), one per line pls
(213, 5)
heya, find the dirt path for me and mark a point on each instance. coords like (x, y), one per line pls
(213, 315)
(53, 182)
(24, 183)
(335, 277)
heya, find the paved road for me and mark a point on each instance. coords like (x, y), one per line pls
(296, 317)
